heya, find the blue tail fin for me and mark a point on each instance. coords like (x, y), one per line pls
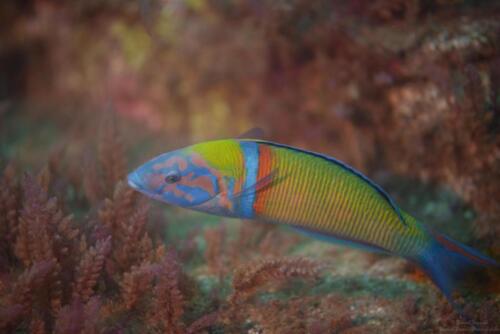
(451, 264)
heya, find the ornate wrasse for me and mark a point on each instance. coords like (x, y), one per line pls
(311, 192)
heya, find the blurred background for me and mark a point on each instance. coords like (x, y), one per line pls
(408, 92)
(408, 88)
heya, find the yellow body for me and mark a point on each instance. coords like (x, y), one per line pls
(321, 196)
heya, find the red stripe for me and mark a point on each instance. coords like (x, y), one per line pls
(265, 162)
(452, 246)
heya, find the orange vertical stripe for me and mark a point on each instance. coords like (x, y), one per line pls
(265, 168)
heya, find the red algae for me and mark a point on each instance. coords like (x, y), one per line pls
(402, 90)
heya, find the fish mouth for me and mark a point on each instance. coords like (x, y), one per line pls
(134, 181)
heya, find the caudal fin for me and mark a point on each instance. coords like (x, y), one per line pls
(452, 265)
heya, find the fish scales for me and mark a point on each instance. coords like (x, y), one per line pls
(316, 194)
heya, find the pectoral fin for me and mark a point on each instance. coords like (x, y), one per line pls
(263, 183)
(257, 186)
(223, 203)
(245, 199)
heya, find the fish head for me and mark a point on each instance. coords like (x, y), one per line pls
(182, 178)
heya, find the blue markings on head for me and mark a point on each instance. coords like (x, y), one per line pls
(175, 179)
(197, 193)
(251, 159)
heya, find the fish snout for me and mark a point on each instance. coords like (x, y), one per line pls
(134, 180)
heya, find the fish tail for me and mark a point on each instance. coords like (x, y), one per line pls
(454, 267)
(451, 264)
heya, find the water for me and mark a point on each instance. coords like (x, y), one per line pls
(405, 92)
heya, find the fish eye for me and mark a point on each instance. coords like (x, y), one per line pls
(172, 177)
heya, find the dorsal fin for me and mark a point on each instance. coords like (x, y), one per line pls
(350, 169)
(253, 133)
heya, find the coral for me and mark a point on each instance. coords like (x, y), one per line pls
(297, 316)
(168, 302)
(43, 178)
(37, 326)
(113, 270)
(70, 319)
(259, 276)
(45, 234)
(10, 315)
(406, 88)
(78, 317)
(63, 266)
(137, 282)
(203, 322)
(9, 206)
(251, 277)
(91, 311)
(133, 233)
(215, 239)
(30, 283)
(116, 211)
(287, 318)
(125, 219)
(43, 231)
(89, 269)
(102, 174)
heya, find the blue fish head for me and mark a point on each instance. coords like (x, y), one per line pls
(179, 178)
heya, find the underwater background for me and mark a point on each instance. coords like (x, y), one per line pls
(408, 92)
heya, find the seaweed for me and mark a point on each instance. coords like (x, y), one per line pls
(110, 270)
(405, 91)
(103, 271)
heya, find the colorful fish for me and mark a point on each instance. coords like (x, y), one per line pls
(313, 193)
